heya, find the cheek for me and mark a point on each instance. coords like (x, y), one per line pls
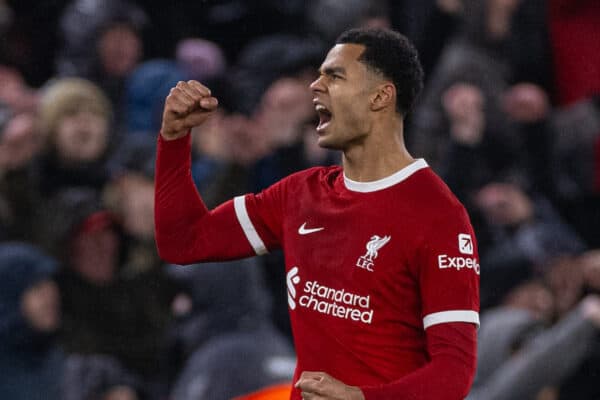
(98, 136)
(139, 211)
(65, 135)
(352, 113)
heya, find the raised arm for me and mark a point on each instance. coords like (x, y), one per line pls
(186, 231)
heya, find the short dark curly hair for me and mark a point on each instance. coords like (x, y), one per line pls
(390, 54)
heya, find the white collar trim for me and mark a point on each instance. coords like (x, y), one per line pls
(384, 183)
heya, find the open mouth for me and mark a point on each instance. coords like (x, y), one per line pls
(325, 117)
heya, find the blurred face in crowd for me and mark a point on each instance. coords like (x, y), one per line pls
(82, 137)
(504, 204)
(232, 137)
(284, 108)
(136, 193)
(342, 95)
(95, 253)
(120, 50)
(244, 139)
(533, 297)
(40, 305)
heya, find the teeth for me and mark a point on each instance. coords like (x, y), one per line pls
(320, 107)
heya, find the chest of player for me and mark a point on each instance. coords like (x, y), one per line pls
(347, 258)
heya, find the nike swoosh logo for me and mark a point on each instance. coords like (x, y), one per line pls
(304, 231)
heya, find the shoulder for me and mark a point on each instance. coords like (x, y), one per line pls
(432, 198)
(313, 176)
(428, 187)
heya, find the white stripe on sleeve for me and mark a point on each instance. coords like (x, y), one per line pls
(239, 204)
(451, 316)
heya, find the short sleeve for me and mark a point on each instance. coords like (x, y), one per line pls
(448, 270)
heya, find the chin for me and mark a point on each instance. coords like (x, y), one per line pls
(327, 143)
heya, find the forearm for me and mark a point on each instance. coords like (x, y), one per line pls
(448, 375)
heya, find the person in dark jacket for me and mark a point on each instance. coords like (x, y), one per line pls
(31, 365)
(225, 334)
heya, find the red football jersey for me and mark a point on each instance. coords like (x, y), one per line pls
(370, 266)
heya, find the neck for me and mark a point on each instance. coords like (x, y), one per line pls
(380, 154)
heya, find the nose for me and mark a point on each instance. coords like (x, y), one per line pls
(317, 85)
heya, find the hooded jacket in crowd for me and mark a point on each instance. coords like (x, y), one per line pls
(31, 365)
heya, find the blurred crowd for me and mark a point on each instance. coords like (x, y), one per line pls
(510, 118)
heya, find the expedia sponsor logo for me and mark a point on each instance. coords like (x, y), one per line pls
(465, 243)
(445, 261)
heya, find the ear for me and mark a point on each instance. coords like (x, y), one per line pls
(384, 96)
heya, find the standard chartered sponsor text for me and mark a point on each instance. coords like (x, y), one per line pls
(336, 302)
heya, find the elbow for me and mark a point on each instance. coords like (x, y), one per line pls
(172, 252)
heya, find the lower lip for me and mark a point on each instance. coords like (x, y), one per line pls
(321, 128)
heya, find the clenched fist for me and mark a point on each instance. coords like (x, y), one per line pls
(188, 104)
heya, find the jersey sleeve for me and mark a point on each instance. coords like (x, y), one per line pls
(449, 374)
(261, 217)
(448, 270)
(187, 232)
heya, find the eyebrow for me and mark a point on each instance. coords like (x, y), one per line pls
(332, 70)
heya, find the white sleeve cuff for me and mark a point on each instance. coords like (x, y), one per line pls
(451, 316)
(239, 204)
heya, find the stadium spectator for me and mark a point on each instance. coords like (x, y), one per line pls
(489, 53)
(526, 233)
(110, 307)
(31, 364)
(200, 59)
(519, 357)
(575, 166)
(225, 329)
(83, 27)
(99, 377)
(75, 119)
(20, 144)
(145, 89)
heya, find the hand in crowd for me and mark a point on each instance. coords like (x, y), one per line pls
(464, 106)
(322, 386)
(450, 6)
(591, 308)
(590, 263)
(565, 279)
(14, 91)
(526, 103)
(499, 17)
(19, 143)
(188, 104)
(120, 393)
